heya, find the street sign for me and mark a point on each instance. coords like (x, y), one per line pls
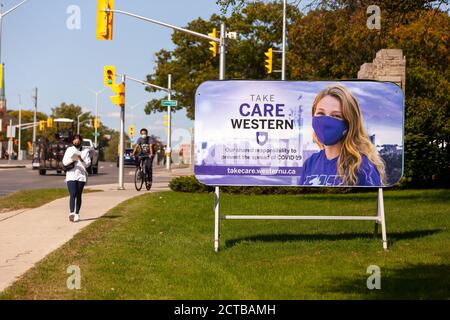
(96, 134)
(169, 103)
(11, 131)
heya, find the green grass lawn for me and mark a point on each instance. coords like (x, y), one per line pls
(32, 198)
(160, 246)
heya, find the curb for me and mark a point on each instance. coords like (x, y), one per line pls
(5, 166)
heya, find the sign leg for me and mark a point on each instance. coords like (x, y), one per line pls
(381, 217)
(216, 219)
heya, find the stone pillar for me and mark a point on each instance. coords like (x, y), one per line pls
(388, 65)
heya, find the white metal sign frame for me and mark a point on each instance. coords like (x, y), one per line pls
(379, 219)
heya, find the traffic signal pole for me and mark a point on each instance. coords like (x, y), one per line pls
(169, 111)
(121, 142)
(222, 68)
(169, 123)
(197, 34)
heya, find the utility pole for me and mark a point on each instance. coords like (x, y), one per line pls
(35, 97)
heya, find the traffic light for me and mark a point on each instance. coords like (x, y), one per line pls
(166, 121)
(96, 123)
(269, 60)
(1, 75)
(104, 20)
(109, 76)
(49, 122)
(131, 131)
(213, 44)
(41, 125)
(119, 98)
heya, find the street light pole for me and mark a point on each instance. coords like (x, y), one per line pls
(20, 131)
(35, 97)
(97, 93)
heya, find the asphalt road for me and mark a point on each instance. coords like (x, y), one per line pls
(12, 180)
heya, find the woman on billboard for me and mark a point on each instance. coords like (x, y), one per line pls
(347, 156)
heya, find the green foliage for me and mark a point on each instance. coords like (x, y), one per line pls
(190, 184)
(332, 41)
(191, 63)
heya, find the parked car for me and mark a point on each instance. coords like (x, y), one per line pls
(128, 158)
(93, 153)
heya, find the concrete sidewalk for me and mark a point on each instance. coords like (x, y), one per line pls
(28, 235)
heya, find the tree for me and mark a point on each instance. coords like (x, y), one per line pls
(190, 63)
(332, 41)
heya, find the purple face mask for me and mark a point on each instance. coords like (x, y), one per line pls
(329, 130)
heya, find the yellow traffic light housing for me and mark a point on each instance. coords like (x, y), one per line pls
(96, 123)
(166, 121)
(109, 76)
(119, 98)
(213, 44)
(269, 60)
(50, 123)
(41, 125)
(131, 130)
(104, 19)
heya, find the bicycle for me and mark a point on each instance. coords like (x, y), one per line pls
(140, 175)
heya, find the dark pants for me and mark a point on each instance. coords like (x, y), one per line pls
(148, 164)
(149, 167)
(75, 191)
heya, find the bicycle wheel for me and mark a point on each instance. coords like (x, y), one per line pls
(138, 179)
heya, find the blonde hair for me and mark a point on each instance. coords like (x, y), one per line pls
(356, 141)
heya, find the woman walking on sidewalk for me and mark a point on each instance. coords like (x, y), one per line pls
(75, 163)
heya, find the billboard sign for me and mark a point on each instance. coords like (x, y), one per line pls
(299, 133)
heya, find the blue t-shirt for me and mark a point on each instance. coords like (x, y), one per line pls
(319, 171)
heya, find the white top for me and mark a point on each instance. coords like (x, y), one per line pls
(78, 173)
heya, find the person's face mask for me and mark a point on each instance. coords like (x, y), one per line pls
(143, 136)
(77, 143)
(329, 130)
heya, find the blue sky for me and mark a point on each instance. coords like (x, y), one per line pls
(40, 51)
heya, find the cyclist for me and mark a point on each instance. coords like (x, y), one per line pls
(146, 151)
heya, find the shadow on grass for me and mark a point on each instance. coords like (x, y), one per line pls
(392, 237)
(421, 281)
(102, 217)
(433, 195)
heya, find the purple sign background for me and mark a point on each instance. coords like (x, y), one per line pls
(259, 133)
